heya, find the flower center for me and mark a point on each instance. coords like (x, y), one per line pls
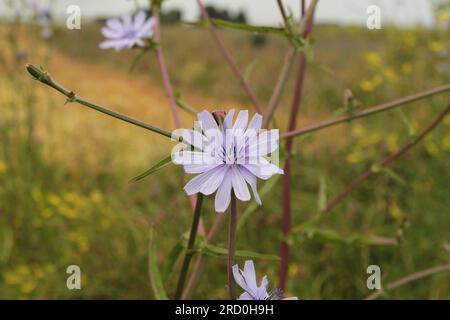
(130, 34)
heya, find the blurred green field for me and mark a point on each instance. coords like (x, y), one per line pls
(64, 170)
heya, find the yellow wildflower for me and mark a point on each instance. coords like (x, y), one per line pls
(293, 270)
(392, 142)
(446, 143)
(373, 58)
(372, 84)
(358, 130)
(443, 16)
(390, 75)
(96, 196)
(67, 212)
(36, 194)
(431, 148)
(355, 157)
(436, 46)
(28, 287)
(54, 200)
(395, 212)
(12, 277)
(447, 120)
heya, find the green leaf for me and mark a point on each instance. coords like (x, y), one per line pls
(212, 250)
(172, 259)
(240, 26)
(154, 274)
(332, 237)
(164, 162)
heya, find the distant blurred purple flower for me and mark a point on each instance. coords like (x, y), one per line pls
(127, 33)
(228, 158)
(246, 279)
(22, 55)
(44, 19)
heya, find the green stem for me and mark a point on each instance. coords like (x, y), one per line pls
(44, 77)
(190, 247)
(232, 246)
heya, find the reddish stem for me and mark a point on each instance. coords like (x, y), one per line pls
(286, 179)
(228, 57)
(163, 69)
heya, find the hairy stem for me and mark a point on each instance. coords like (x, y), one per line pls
(44, 77)
(190, 247)
(385, 161)
(163, 68)
(367, 112)
(228, 57)
(410, 278)
(232, 246)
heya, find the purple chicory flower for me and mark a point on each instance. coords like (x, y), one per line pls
(228, 157)
(246, 279)
(44, 19)
(127, 32)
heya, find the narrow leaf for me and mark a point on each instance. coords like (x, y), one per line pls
(332, 237)
(154, 274)
(240, 26)
(172, 259)
(213, 250)
(164, 162)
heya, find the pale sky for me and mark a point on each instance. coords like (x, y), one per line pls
(399, 12)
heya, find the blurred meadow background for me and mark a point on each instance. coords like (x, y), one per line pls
(65, 196)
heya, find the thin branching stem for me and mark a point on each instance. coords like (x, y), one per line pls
(410, 278)
(385, 161)
(190, 247)
(367, 112)
(43, 76)
(229, 58)
(163, 68)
